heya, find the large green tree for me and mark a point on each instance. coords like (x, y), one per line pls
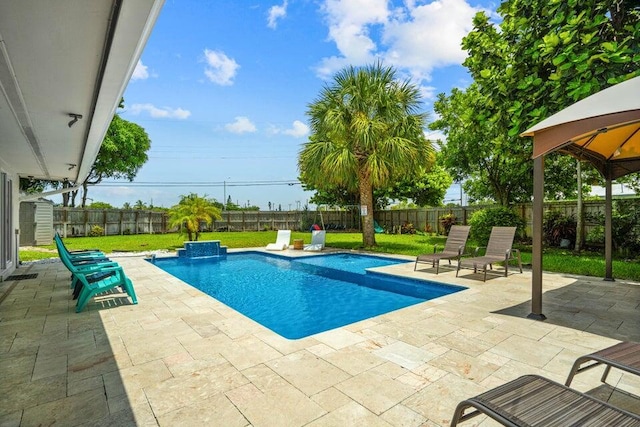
(121, 155)
(542, 57)
(426, 188)
(367, 131)
(191, 211)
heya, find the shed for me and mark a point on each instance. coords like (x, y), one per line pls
(36, 223)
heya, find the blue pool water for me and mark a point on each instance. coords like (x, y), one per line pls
(303, 296)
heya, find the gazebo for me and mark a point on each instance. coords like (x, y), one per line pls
(603, 129)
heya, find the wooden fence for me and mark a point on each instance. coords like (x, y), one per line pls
(427, 219)
(79, 222)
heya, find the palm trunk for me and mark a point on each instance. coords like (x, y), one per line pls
(366, 199)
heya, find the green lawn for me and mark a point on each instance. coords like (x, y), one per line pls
(561, 261)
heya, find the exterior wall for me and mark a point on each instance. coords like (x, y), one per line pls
(9, 217)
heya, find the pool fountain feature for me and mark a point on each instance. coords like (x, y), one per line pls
(203, 249)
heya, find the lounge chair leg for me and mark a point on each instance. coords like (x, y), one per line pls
(605, 374)
(519, 262)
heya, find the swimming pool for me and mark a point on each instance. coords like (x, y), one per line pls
(298, 297)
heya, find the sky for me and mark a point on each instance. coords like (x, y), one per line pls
(222, 87)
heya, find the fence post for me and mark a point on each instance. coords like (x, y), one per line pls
(86, 222)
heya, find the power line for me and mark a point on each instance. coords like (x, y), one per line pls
(290, 182)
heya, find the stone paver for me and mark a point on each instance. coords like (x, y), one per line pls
(180, 357)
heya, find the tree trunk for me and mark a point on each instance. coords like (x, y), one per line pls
(74, 193)
(366, 200)
(65, 196)
(84, 194)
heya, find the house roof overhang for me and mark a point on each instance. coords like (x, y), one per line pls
(58, 59)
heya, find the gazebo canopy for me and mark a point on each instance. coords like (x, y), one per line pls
(603, 129)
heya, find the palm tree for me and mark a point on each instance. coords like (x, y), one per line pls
(190, 212)
(366, 132)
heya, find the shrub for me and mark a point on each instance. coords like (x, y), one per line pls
(446, 221)
(625, 226)
(483, 220)
(557, 226)
(595, 236)
(96, 231)
(407, 228)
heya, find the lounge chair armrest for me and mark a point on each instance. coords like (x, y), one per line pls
(92, 268)
(115, 268)
(477, 251)
(510, 251)
(435, 248)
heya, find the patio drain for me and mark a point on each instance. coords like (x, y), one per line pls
(22, 277)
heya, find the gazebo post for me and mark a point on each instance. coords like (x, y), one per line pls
(536, 225)
(608, 227)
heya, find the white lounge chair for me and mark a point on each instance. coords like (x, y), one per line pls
(317, 241)
(282, 241)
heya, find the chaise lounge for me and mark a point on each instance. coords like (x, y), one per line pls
(498, 250)
(317, 241)
(453, 248)
(624, 356)
(282, 241)
(532, 400)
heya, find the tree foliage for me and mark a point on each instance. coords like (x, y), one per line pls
(541, 58)
(427, 188)
(100, 205)
(366, 133)
(190, 212)
(121, 155)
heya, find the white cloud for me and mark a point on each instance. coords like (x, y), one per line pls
(241, 125)
(413, 37)
(297, 130)
(434, 135)
(141, 72)
(275, 13)
(220, 68)
(430, 37)
(160, 113)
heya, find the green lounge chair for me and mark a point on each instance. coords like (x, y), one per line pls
(89, 280)
(90, 288)
(453, 248)
(86, 254)
(83, 264)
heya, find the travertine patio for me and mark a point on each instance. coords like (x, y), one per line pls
(179, 357)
